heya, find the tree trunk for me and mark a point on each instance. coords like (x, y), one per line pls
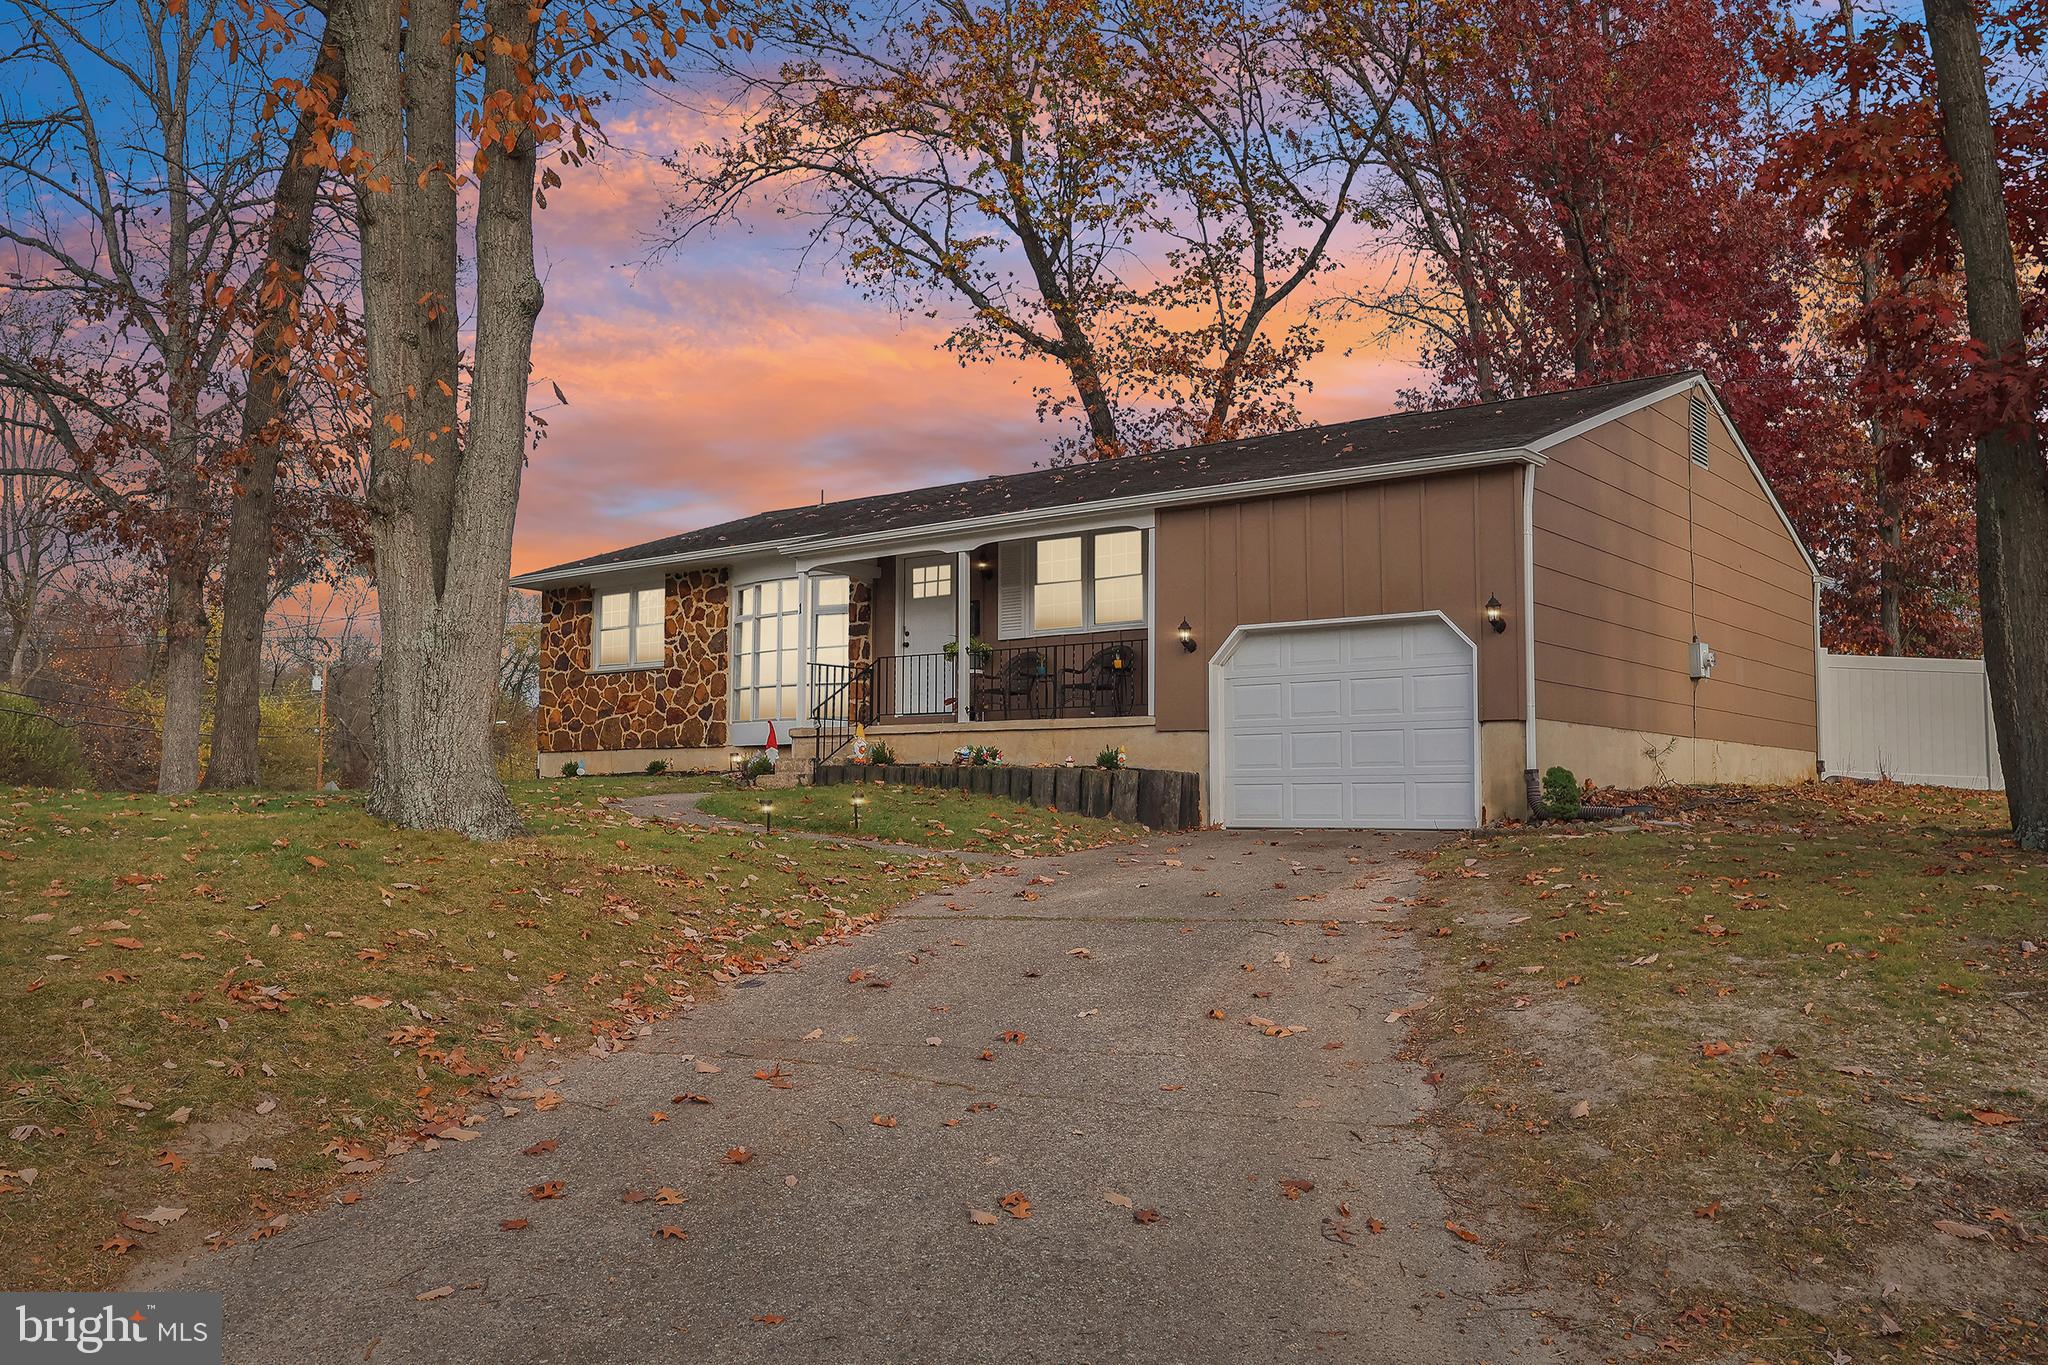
(442, 500)
(2012, 480)
(184, 674)
(245, 588)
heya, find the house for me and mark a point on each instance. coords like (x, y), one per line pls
(1393, 622)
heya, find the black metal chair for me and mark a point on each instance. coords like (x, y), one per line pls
(1018, 680)
(1105, 677)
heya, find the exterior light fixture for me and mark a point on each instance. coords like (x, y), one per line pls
(1493, 616)
(1186, 633)
(857, 803)
(768, 817)
(735, 760)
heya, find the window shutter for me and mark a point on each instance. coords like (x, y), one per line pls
(1013, 589)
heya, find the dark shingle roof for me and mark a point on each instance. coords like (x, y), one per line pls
(1393, 439)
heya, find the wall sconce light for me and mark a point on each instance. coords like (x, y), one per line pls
(1186, 634)
(984, 567)
(1493, 616)
(735, 759)
(768, 817)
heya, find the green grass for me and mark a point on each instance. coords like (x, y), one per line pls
(1785, 1014)
(922, 816)
(316, 988)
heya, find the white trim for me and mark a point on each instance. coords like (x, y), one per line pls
(1219, 789)
(1528, 626)
(947, 536)
(1675, 387)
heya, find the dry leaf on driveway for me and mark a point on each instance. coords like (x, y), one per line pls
(1463, 1234)
(1016, 1204)
(1122, 1201)
(443, 1292)
(982, 1218)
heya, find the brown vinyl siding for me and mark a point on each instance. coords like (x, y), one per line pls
(1438, 543)
(1637, 549)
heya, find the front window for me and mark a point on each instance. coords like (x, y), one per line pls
(629, 629)
(831, 602)
(1089, 582)
(765, 630)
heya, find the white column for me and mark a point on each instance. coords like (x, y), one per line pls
(963, 658)
(804, 589)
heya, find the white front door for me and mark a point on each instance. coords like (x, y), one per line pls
(1352, 725)
(924, 676)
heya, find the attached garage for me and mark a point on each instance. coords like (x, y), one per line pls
(1367, 722)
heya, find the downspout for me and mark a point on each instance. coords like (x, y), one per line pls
(1531, 782)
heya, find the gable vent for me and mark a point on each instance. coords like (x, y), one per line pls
(1699, 431)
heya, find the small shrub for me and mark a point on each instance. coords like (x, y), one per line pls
(880, 752)
(1113, 757)
(760, 765)
(657, 767)
(572, 768)
(1561, 793)
(36, 751)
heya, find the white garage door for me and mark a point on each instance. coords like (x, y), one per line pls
(1368, 725)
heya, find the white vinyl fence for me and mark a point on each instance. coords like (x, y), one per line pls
(1911, 720)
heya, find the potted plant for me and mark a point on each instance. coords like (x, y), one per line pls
(980, 651)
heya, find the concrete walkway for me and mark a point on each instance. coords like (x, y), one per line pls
(1043, 1035)
(682, 808)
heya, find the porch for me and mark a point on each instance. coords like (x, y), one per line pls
(1055, 629)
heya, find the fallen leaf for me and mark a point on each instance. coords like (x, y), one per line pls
(443, 1292)
(671, 1232)
(982, 1218)
(1122, 1201)
(1016, 1204)
(119, 1246)
(738, 1156)
(768, 1319)
(883, 1120)
(1144, 1215)
(1295, 1189)
(1582, 1108)
(1969, 1232)
(512, 1224)
(1461, 1233)
(1992, 1117)
(370, 1002)
(541, 1148)
(547, 1189)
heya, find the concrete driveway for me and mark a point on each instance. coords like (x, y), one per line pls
(1043, 1034)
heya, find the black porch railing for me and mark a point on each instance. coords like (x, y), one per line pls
(1058, 681)
(1039, 680)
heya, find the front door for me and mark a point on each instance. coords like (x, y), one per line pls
(925, 677)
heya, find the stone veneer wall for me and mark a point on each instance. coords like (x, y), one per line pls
(681, 705)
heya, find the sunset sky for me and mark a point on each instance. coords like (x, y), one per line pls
(728, 379)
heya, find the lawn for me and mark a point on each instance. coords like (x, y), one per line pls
(235, 1006)
(922, 816)
(1764, 1078)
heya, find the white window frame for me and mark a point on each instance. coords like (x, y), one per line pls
(631, 591)
(796, 590)
(1089, 624)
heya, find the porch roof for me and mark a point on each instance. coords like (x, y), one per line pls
(1373, 447)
